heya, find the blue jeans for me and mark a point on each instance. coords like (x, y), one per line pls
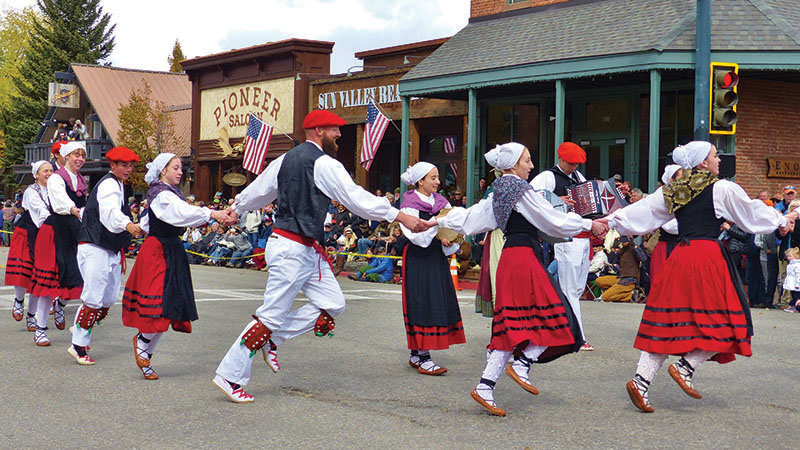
(252, 238)
(363, 245)
(756, 288)
(240, 256)
(220, 252)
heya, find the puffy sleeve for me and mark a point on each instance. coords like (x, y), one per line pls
(333, 180)
(57, 192)
(545, 181)
(33, 203)
(671, 227)
(169, 208)
(109, 205)
(263, 190)
(422, 239)
(478, 218)
(541, 214)
(642, 217)
(752, 215)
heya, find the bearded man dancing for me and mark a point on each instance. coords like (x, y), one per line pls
(304, 180)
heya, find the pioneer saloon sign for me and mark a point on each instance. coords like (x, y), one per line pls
(229, 107)
(783, 168)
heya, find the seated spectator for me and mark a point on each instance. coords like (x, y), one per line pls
(331, 238)
(792, 281)
(224, 248)
(397, 240)
(380, 270)
(347, 243)
(364, 237)
(241, 248)
(599, 260)
(251, 222)
(620, 288)
(190, 236)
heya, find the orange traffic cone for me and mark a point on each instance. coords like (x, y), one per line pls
(454, 271)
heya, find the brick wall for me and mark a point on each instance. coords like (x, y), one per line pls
(480, 8)
(768, 126)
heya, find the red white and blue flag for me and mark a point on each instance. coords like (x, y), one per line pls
(257, 142)
(374, 129)
(450, 147)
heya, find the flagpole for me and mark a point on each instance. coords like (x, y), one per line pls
(279, 130)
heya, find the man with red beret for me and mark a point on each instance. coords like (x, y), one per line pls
(304, 181)
(106, 231)
(57, 161)
(573, 257)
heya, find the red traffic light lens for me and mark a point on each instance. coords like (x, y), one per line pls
(729, 80)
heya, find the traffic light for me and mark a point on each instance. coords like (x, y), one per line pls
(724, 82)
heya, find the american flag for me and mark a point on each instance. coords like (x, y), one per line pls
(258, 136)
(450, 147)
(373, 133)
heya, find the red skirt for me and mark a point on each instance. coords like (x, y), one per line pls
(527, 306)
(142, 299)
(45, 269)
(658, 258)
(19, 267)
(694, 304)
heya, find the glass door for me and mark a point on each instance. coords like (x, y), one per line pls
(604, 157)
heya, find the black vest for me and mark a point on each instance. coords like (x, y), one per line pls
(520, 232)
(697, 220)
(301, 205)
(80, 201)
(562, 182)
(92, 230)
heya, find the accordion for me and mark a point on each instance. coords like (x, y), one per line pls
(596, 198)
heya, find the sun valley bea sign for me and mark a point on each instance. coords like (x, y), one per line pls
(358, 97)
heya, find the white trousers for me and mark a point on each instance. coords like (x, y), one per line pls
(293, 268)
(102, 277)
(573, 269)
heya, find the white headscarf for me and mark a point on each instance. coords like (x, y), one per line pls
(35, 167)
(504, 156)
(692, 154)
(71, 146)
(154, 168)
(416, 172)
(669, 172)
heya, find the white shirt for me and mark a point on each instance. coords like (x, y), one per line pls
(57, 191)
(110, 198)
(330, 177)
(670, 227)
(479, 217)
(792, 280)
(36, 205)
(599, 261)
(169, 208)
(730, 202)
(546, 181)
(425, 238)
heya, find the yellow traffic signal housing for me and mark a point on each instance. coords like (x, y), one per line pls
(723, 99)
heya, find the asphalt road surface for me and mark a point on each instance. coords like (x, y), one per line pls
(356, 390)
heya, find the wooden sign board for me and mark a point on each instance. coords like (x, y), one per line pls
(783, 168)
(234, 179)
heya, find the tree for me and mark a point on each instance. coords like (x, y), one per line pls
(145, 127)
(15, 28)
(176, 58)
(68, 31)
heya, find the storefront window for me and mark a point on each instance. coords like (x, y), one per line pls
(607, 116)
(513, 123)
(444, 152)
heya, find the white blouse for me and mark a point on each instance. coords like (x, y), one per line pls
(479, 217)
(425, 238)
(730, 202)
(110, 198)
(57, 191)
(36, 205)
(330, 177)
(169, 208)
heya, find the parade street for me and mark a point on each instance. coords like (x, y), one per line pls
(356, 390)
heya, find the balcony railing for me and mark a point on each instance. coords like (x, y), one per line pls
(95, 150)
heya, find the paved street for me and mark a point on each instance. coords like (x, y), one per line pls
(356, 390)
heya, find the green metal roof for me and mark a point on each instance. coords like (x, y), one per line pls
(583, 38)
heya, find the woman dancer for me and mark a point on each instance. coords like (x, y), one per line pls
(159, 293)
(668, 236)
(19, 267)
(430, 306)
(705, 314)
(55, 268)
(532, 317)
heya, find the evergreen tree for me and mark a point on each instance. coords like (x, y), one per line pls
(176, 58)
(68, 31)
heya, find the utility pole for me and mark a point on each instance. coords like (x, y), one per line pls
(702, 71)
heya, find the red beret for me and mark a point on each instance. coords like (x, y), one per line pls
(571, 153)
(57, 146)
(122, 154)
(322, 118)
